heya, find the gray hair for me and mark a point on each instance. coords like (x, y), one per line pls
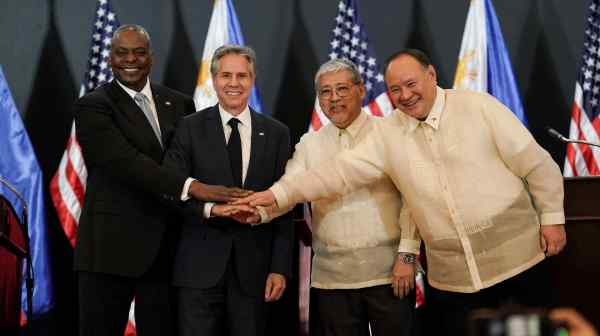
(132, 27)
(229, 49)
(337, 65)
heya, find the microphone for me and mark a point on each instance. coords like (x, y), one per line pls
(554, 133)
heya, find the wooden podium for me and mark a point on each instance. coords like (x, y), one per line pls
(576, 270)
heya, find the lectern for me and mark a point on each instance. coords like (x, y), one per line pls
(576, 270)
(12, 252)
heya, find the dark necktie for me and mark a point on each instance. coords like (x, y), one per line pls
(234, 147)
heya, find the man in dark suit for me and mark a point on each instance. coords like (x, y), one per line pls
(127, 237)
(225, 271)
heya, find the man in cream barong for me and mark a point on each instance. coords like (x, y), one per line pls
(355, 278)
(484, 197)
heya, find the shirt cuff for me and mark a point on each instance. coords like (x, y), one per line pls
(264, 216)
(409, 246)
(552, 218)
(186, 188)
(207, 209)
(280, 195)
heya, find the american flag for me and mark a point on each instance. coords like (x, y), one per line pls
(68, 184)
(349, 41)
(582, 160)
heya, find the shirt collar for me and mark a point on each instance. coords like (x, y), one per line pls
(146, 90)
(244, 117)
(356, 125)
(433, 119)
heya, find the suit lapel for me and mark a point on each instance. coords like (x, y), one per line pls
(133, 112)
(217, 144)
(257, 151)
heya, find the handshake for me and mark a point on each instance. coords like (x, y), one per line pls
(244, 206)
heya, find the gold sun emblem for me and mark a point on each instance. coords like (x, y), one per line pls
(463, 72)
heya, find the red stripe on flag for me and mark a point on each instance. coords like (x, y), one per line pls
(68, 223)
(130, 330)
(73, 179)
(375, 110)
(571, 159)
(596, 125)
(315, 121)
(420, 296)
(586, 151)
(571, 153)
(22, 318)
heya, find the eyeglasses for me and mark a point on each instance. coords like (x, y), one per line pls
(341, 91)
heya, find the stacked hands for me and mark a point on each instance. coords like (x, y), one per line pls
(249, 207)
(243, 206)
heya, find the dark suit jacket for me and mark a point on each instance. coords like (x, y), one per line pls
(206, 246)
(124, 220)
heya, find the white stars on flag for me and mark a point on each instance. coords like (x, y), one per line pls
(350, 42)
(105, 24)
(589, 77)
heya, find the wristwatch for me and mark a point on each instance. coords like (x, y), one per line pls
(408, 258)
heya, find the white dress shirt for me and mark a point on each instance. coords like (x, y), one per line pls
(147, 91)
(245, 130)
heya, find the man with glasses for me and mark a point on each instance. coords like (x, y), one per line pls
(354, 279)
(486, 199)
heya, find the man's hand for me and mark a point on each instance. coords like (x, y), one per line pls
(241, 213)
(224, 210)
(246, 215)
(403, 277)
(553, 238)
(275, 287)
(213, 193)
(265, 198)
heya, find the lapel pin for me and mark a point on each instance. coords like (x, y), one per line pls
(261, 133)
(168, 103)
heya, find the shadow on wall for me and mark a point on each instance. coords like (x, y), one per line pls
(295, 103)
(544, 109)
(181, 68)
(422, 38)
